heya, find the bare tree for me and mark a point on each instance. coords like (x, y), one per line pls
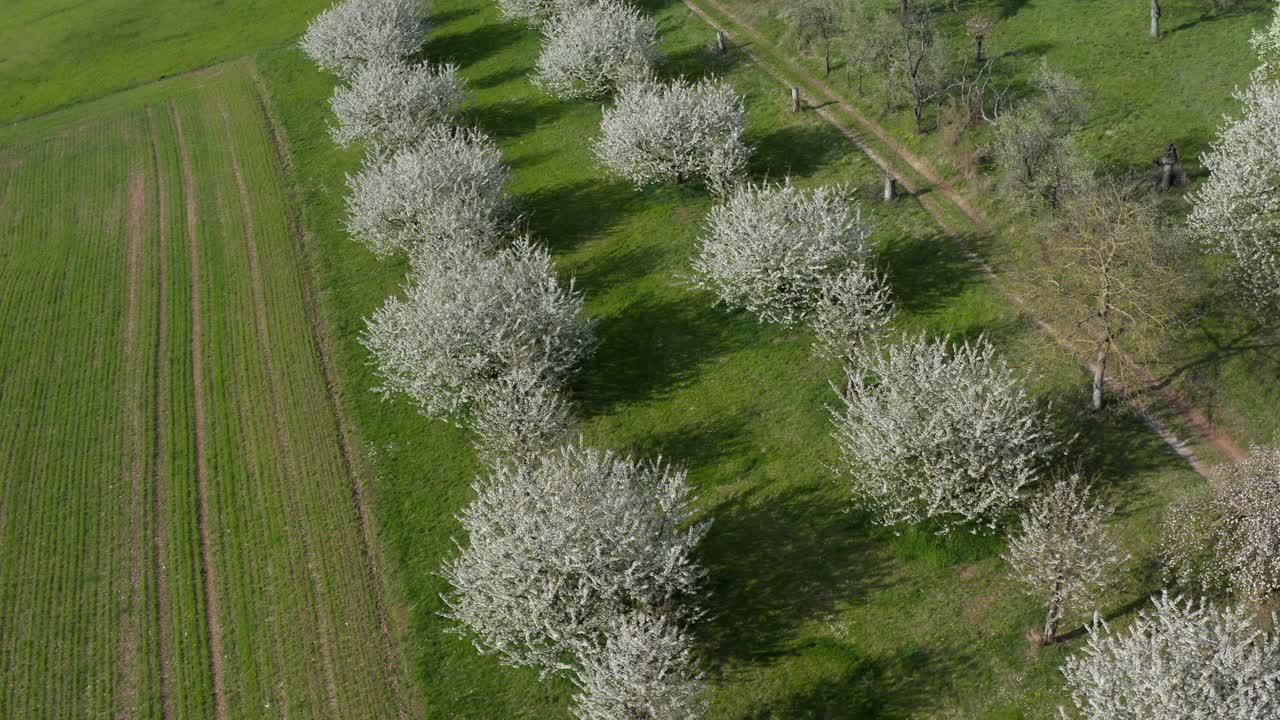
(1040, 163)
(923, 63)
(1109, 270)
(866, 39)
(1178, 660)
(979, 27)
(815, 22)
(1063, 552)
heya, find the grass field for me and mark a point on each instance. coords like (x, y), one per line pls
(1141, 94)
(177, 529)
(815, 613)
(55, 53)
(178, 536)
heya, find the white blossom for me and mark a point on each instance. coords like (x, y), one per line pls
(558, 549)
(1266, 43)
(1062, 553)
(538, 12)
(354, 32)
(674, 132)
(448, 189)
(645, 670)
(1236, 212)
(853, 308)
(520, 414)
(925, 432)
(596, 49)
(466, 319)
(772, 249)
(390, 104)
(1181, 660)
(1230, 540)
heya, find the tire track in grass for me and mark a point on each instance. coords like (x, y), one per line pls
(163, 642)
(284, 447)
(408, 703)
(132, 450)
(212, 613)
(1179, 404)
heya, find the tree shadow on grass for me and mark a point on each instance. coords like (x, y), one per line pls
(494, 79)
(778, 559)
(651, 347)
(903, 684)
(566, 214)
(795, 150)
(1235, 9)
(511, 118)
(926, 273)
(695, 446)
(471, 46)
(440, 19)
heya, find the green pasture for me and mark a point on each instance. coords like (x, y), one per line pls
(814, 612)
(141, 237)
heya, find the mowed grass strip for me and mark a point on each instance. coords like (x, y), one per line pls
(104, 568)
(814, 611)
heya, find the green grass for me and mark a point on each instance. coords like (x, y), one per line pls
(814, 611)
(55, 53)
(1142, 94)
(102, 585)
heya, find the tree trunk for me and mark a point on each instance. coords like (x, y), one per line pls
(826, 59)
(918, 111)
(1155, 19)
(890, 187)
(902, 8)
(720, 43)
(1100, 373)
(977, 56)
(795, 99)
(1051, 622)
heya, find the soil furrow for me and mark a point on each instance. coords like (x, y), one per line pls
(408, 703)
(212, 611)
(283, 445)
(163, 641)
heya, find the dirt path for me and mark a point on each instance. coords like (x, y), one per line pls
(1191, 414)
(132, 451)
(212, 611)
(284, 449)
(409, 704)
(158, 414)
